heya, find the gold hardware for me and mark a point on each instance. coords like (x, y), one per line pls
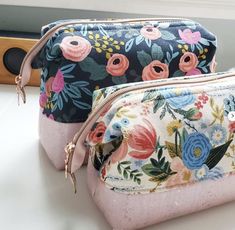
(20, 90)
(69, 150)
(74, 181)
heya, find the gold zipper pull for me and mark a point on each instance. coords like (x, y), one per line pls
(69, 151)
(20, 90)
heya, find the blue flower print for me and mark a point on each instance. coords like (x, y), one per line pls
(179, 99)
(229, 104)
(125, 122)
(202, 173)
(196, 150)
(113, 132)
(215, 173)
(116, 126)
(217, 134)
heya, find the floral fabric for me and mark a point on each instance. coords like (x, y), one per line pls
(161, 138)
(81, 58)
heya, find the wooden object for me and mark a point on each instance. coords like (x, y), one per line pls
(23, 43)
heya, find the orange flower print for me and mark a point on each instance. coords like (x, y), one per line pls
(155, 70)
(75, 48)
(97, 133)
(117, 65)
(188, 62)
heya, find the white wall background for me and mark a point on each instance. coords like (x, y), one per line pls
(30, 19)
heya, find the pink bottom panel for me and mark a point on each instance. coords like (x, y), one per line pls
(137, 211)
(54, 136)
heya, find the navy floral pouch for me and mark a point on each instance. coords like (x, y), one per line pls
(82, 56)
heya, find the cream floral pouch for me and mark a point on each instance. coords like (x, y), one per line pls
(161, 136)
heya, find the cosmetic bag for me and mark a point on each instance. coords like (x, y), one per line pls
(79, 56)
(159, 149)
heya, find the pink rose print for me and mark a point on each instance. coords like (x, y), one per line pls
(155, 70)
(193, 72)
(75, 48)
(142, 140)
(182, 176)
(117, 65)
(43, 100)
(188, 62)
(190, 37)
(150, 32)
(58, 83)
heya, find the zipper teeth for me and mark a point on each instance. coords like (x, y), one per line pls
(72, 22)
(108, 100)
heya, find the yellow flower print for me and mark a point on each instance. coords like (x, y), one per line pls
(105, 44)
(184, 48)
(98, 50)
(202, 53)
(108, 55)
(173, 126)
(117, 47)
(69, 30)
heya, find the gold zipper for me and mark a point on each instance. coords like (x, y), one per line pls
(25, 70)
(195, 80)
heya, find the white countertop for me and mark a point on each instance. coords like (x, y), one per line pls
(33, 195)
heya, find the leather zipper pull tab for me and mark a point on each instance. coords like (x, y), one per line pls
(20, 90)
(69, 151)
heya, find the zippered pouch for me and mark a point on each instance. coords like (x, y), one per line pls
(79, 56)
(159, 149)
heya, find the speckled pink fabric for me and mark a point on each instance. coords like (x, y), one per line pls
(54, 136)
(137, 211)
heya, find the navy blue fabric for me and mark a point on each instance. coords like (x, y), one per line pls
(80, 78)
